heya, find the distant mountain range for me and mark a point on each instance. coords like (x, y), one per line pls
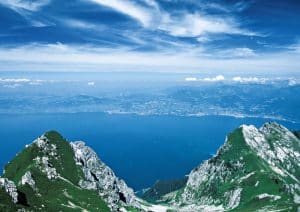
(255, 170)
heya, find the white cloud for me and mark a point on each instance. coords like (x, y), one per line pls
(129, 8)
(56, 57)
(293, 82)
(91, 83)
(207, 79)
(217, 78)
(190, 79)
(17, 82)
(183, 25)
(31, 5)
(203, 39)
(214, 79)
(194, 25)
(243, 52)
(235, 53)
(250, 80)
(26, 8)
(79, 24)
(237, 7)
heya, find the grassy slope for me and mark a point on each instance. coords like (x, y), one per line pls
(60, 194)
(269, 182)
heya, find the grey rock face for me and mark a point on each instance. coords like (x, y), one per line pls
(45, 146)
(49, 150)
(27, 179)
(100, 177)
(10, 188)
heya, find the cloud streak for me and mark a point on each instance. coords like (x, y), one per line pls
(128, 8)
(27, 9)
(17, 80)
(184, 24)
(59, 56)
(29, 5)
(194, 25)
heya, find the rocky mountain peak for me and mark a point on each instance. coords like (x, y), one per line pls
(52, 161)
(250, 158)
(277, 146)
(98, 176)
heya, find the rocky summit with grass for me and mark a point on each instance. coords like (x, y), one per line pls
(255, 170)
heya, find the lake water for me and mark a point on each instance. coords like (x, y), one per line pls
(140, 149)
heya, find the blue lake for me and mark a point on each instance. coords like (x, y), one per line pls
(140, 149)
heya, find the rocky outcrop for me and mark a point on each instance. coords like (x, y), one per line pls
(235, 197)
(275, 145)
(10, 188)
(27, 179)
(49, 150)
(100, 177)
(46, 167)
(46, 146)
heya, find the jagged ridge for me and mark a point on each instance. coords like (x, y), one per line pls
(52, 174)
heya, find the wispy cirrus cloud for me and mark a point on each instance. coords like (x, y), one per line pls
(183, 24)
(295, 46)
(27, 8)
(129, 8)
(80, 24)
(194, 25)
(30, 5)
(243, 52)
(238, 6)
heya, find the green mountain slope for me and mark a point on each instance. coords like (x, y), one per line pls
(46, 177)
(256, 169)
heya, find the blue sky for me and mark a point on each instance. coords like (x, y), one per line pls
(215, 36)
